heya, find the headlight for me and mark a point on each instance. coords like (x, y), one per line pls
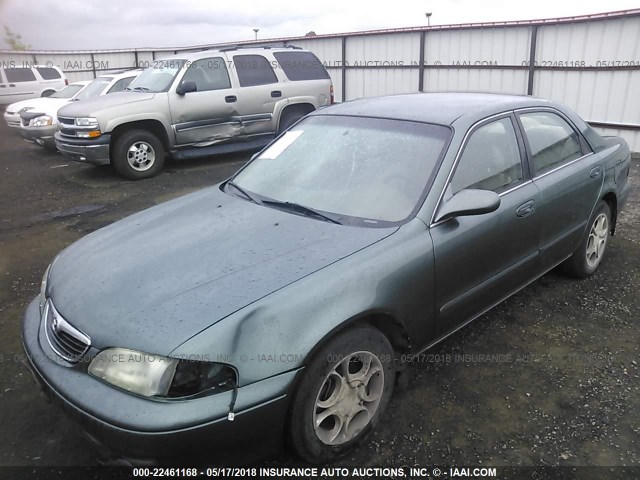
(43, 289)
(157, 376)
(42, 121)
(86, 122)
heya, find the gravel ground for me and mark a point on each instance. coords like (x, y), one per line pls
(550, 377)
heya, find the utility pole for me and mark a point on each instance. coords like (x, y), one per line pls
(256, 30)
(428, 15)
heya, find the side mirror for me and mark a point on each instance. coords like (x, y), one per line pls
(469, 202)
(186, 87)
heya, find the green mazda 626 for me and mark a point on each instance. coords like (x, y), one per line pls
(275, 306)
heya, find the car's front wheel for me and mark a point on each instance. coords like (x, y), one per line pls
(138, 154)
(587, 258)
(342, 394)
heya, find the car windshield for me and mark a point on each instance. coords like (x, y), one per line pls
(368, 169)
(94, 89)
(67, 92)
(158, 77)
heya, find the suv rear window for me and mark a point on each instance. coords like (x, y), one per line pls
(19, 75)
(254, 70)
(301, 66)
(48, 73)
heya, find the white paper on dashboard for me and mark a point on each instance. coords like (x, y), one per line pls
(281, 145)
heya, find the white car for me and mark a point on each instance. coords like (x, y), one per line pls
(37, 123)
(22, 83)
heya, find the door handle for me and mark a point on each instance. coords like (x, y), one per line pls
(230, 98)
(276, 93)
(526, 209)
(12, 84)
(3, 86)
(595, 172)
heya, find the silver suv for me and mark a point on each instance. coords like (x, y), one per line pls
(196, 104)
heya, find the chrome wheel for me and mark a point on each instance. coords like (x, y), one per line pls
(597, 240)
(348, 398)
(141, 156)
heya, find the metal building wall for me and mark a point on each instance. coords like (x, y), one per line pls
(590, 63)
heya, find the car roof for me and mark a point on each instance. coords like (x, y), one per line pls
(191, 56)
(442, 108)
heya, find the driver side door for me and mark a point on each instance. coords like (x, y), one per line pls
(481, 259)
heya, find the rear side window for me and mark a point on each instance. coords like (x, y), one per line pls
(49, 73)
(551, 140)
(253, 70)
(301, 66)
(19, 75)
(490, 160)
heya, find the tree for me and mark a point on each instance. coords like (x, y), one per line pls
(310, 34)
(14, 40)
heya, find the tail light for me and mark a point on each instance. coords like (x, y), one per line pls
(331, 95)
(66, 81)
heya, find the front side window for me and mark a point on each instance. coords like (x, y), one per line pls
(94, 89)
(552, 141)
(208, 74)
(490, 160)
(253, 70)
(17, 75)
(367, 169)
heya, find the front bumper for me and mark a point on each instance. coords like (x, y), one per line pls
(140, 431)
(85, 150)
(12, 119)
(41, 135)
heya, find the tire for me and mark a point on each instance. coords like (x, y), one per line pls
(588, 256)
(138, 154)
(288, 119)
(318, 391)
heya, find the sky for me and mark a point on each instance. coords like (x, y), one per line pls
(79, 24)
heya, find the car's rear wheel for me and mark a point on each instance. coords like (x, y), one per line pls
(342, 394)
(587, 258)
(138, 154)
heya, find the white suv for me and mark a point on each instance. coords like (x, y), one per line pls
(22, 83)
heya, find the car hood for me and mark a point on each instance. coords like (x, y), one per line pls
(154, 280)
(93, 106)
(42, 104)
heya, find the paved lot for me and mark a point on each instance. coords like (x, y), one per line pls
(548, 378)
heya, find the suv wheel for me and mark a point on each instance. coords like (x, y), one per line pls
(342, 394)
(138, 154)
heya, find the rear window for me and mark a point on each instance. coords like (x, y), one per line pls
(48, 73)
(254, 70)
(301, 66)
(19, 75)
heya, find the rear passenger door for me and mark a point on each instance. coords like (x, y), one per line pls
(258, 93)
(568, 176)
(21, 84)
(207, 115)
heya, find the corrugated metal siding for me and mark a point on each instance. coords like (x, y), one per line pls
(327, 50)
(392, 49)
(504, 46)
(504, 81)
(372, 83)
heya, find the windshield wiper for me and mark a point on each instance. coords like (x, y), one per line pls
(242, 191)
(296, 207)
(138, 89)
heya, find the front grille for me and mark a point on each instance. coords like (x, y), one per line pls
(66, 121)
(66, 340)
(13, 123)
(67, 132)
